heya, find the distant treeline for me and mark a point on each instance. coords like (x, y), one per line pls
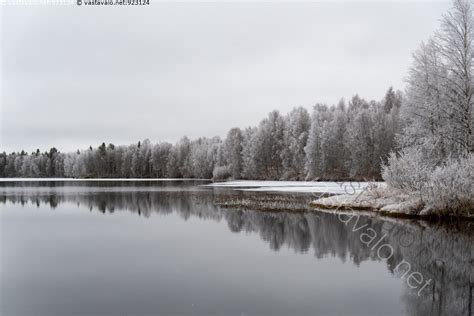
(344, 141)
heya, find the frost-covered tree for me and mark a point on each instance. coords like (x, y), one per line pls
(184, 157)
(391, 100)
(249, 152)
(233, 152)
(100, 161)
(141, 160)
(136, 161)
(455, 42)
(424, 114)
(160, 159)
(334, 160)
(145, 167)
(437, 119)
(385, 127)
(69, 161)
(313, 148)
(269, 146)
(439, 110)
(3, 164)
(203, 157)
(127, 159)
(297, 125)
(328, 145)
(172, 167)
(361, 144)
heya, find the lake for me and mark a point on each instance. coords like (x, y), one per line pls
(167, 248)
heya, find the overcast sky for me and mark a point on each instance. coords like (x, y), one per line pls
(74, 76)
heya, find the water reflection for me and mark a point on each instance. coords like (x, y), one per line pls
(442, 253)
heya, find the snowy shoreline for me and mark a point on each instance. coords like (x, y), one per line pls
(361, 197)
(385, 203)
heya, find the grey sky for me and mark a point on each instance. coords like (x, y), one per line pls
(74, 76)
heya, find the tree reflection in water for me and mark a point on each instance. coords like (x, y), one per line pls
(443, 253)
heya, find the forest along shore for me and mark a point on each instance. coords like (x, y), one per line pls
(335, 197)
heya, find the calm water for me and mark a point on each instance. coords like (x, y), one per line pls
(166, 248)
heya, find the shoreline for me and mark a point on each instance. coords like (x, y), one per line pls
(367, 198)
(387, 204)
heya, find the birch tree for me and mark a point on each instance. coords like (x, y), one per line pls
(295, 138)
(233, 152)
(455, 41)
(438, 115)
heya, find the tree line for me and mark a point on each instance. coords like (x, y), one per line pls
(350, 140)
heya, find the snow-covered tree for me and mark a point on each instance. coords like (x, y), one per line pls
(203, 157)
(127, 159)
(297, 125)
(391, 100)
(455, 42)
(334, 143)
(313, 149)
(435, 162)
(233, 152)
(249, 152)
(439, 110)
(269, 146)
(424, 114)
(335, 157)
(363, 163)
(159, 159)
